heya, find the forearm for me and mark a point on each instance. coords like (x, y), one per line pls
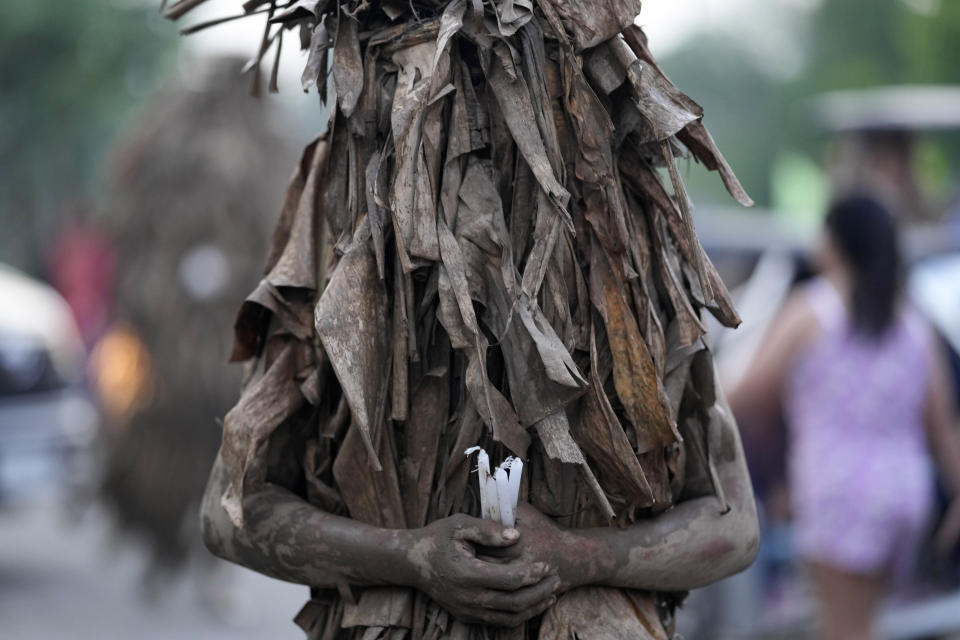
(689, 546)
(946, 446)
(940, 421)
(287, 538)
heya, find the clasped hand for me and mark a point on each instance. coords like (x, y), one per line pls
(483, 572)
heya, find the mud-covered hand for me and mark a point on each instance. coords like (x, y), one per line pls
(570, 554)
(477, 589)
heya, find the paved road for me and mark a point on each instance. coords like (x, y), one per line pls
(74, 580)
(62, 579)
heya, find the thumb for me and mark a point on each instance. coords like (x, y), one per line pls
(488, 533)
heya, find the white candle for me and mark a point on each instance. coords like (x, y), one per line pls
(500, 491)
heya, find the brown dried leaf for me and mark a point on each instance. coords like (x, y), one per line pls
(291, 262)
(430, 407)
(603, 613)
(694, 135)
(267, 401)
(371, 495)
(601, 435)
(595, 165)
(460, 321)
(512, 15)
(399, 392)
(200, 26)
(316, 58)
(380, 607)
(412, 224)
(347, 66)
(554, 432)
(517, 109)
(375, 181)
(301, 10)
(297, 263)
(665, 109)
(591, 22)
(638, 387)
(352, 323)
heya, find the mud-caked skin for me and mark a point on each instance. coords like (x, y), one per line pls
(478, 570)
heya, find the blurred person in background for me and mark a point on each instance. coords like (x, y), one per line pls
(82, 267)
(866, 394)
(188, 198)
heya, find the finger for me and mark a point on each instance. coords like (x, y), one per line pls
(522, 599)
(495, 558)
(487, 533)
(503, 577)
(500, 553)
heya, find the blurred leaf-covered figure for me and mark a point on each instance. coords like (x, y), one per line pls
(185, 201)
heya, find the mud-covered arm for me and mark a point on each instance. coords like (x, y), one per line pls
(759, 392)
(285, 537)
(691, 545)
(696, 542)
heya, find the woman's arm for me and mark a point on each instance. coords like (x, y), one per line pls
(689, 546)
(940, 421)
(758, 392)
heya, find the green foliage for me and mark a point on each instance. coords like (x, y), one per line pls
(739, 101)
(757, 116)
(862, 43)
(71, 73)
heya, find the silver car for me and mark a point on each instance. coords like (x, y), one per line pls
(48, 424)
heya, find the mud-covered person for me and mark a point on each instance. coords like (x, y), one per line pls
(502, 266)
(688, 546)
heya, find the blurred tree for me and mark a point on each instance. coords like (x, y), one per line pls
(759, 111)
(744, 108)
(863, 43)
(71, 72)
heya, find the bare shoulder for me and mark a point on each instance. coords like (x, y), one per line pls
(797, 306)
(796, 325)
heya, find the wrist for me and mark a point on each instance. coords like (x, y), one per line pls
(405, 550)
(590, 559)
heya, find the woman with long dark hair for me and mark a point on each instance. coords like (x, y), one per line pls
(865, 393)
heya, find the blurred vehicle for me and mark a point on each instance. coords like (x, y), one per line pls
(934, 286)
(48, 425)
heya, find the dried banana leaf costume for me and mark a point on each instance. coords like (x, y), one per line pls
(480, 250)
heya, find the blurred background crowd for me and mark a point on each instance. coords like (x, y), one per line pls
(138, 184)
